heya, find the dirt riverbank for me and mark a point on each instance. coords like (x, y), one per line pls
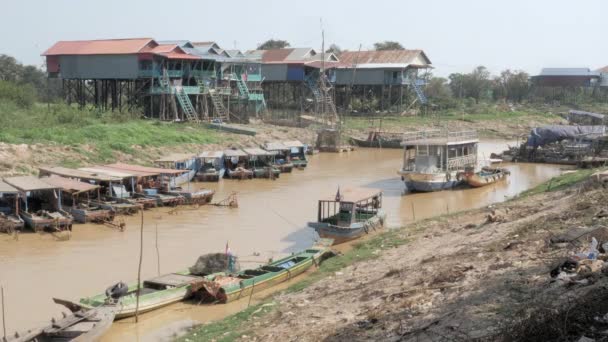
(460, 277)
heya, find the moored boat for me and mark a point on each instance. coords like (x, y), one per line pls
(261, 163)
(349, 214)
(297, 153)
(189, 163)
(212, 166)
(227, 287)
(434, 160)
(281, 156)
(9, 206)
(83, 324)
(193, 196)
(236, 161)
(154, 293)
(379, 139)
(486, 176)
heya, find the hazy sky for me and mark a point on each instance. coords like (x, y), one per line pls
(456, 34)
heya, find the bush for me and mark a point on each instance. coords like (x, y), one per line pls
(23, 95)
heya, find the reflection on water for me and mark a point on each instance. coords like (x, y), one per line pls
(270, 222)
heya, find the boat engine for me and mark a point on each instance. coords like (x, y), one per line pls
(117, 290)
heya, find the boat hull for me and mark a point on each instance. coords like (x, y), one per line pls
(430, 182)
(480, 179)
(91, 215)
(202, 176)
(377, 143)
(239, 174)
(345, 234)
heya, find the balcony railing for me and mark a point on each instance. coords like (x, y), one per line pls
(175, 73)
(437, 136)
(204, 74)
(148, 73)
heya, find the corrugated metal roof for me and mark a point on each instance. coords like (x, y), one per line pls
(275, 146)
(568, 72)
(386, 56)
(235, 53)
(234, 153)
(69, 185)
(71, 173)
(256, 151)
(211, 154)
(143, 170)
(603, 70)
(293, 143)
(7, 188)
(175, 157)
(107, 171)
(206, 44)
(99, 47)
(29, 183)
(301, 54)
(354, 194)
(275, 55)
(180, 43)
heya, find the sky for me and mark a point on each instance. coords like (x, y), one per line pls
(456, 35)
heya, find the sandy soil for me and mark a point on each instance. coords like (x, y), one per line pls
(460, 278)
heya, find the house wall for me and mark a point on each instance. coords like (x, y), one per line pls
(362, 76)
(99, 66)
(274, 72)
(295, 73)
(604, 79)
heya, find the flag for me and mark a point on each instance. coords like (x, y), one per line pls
(338, 195)
(227, 249)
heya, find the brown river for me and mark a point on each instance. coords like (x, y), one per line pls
(270, 222)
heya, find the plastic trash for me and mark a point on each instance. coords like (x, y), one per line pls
(591, 252)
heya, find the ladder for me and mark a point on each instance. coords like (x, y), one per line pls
(243, 90)
(186, 104)
(220, 111)
(330, 106)
(423, 99)
(310, 82)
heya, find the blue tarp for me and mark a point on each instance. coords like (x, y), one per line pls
(549, 134)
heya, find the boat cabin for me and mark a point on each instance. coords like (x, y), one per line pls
(261, 163)
(9, 207)
(439, 151)
(104, 181)
(349, 206)
(237, 164)
(297, 153)
(40, 205)
(77, 200)
(282, 155)
(180, 161)
(212, 166)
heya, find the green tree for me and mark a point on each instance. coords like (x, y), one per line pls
(476, 84)
(388, 45)
(274, 44)
(511, 85)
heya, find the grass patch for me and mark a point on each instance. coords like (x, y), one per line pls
(560, 182)
(107, 133)
(229, 328)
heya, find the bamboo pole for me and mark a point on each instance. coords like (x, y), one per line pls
(157, 253)
(141, 253)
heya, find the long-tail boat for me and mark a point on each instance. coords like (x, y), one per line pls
(486, 176)
(227, 287)
(350, 214)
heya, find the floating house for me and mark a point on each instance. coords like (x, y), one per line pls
(9, 209)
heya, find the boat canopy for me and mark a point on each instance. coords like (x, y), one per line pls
(353, 195)
(275, 146)
(144, 171)
(7, 188)
(256, 151)
(78, 174)
(29, 183)
(176, 158)
(229, 153)
(69, 185)
(439, 138)
(108, 171)
(293, 143)
(541, 136)
(211, 154)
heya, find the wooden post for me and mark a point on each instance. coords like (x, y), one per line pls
(157, 253)
(141, 253)
(413, 211)
(3, 313)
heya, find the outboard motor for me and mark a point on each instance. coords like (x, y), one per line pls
(117, 290)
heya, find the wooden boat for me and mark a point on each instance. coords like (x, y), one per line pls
(432, 160)
(261, 163)
(83, 325)
(155, 293)
(378, 139)
(9, 223)
(227, 287)
(87, 212)
(118, 206)
(349, 214)
(282, 160)
(212, 166)
(487, 176)
(236, 161)
(200, 196)
(51, 220)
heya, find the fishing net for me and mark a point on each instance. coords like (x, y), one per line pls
(212, 263)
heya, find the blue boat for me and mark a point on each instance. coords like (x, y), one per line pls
(212, 166)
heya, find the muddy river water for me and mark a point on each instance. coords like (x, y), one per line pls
(270, 222)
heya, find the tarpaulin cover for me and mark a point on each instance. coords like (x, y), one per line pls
(545, 135)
